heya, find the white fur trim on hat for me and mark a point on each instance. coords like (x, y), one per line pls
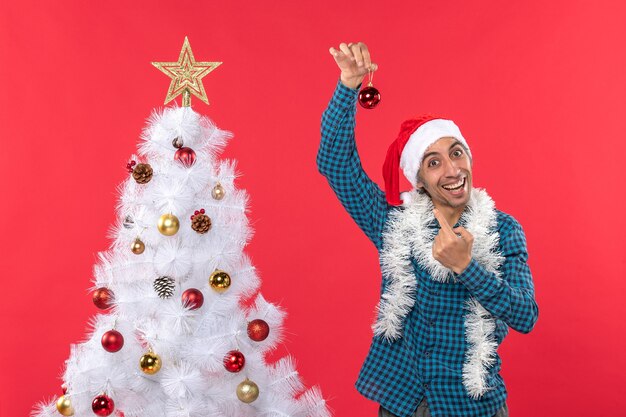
(425, 135)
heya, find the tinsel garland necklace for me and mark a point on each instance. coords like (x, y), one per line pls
(408, 235)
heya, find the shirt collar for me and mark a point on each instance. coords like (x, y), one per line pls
(434, 224)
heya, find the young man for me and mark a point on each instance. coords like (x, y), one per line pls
(454, 268)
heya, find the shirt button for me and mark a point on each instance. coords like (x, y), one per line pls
(427, 353)
(425, 386)
(431, 323)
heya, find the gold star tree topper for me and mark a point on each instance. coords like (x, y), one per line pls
(186, 75)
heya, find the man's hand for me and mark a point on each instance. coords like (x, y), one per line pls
(354, 61)
(452, 250)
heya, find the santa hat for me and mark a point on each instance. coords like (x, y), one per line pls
(407, 151)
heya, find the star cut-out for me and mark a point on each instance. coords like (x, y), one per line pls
(186, 74)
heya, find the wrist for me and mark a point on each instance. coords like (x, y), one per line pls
(351, 82)
(459, 269)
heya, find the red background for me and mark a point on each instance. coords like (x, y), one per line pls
(537, 87)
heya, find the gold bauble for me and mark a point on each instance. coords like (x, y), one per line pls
(138, 247)
(168, 224)
(219, 281)
(218, 192)
(150, 363)
(64, 406)
(247, 391)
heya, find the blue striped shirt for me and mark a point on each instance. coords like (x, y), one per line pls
(428, 360)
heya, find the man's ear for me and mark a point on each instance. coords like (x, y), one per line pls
(419, 184)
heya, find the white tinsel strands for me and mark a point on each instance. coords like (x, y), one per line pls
(147, 286)
(408, 236)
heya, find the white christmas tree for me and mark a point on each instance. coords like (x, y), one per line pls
(174, 338)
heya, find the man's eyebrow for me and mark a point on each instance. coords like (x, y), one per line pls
(456, 142)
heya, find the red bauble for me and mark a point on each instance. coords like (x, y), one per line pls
(258, 330)
(103, 405)
(369, 97)
(234, 361)
(103, 298)
(193, 298)
(185, 156)
(112, 341)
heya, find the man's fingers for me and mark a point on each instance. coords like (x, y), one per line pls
(337, 54)
(346, 50)
(445, 226)
(463, 232)
(356, 51)
(367, 60)
(340, 58)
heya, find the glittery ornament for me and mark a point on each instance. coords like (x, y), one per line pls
(258, 330)
(102, 298)
(192, 299)
(234, 361)
(177, 143)
(200, 222)
(103, 405)
(218, 192)
(186, 75)
(219, 281)
(142, 173)
(112, 341)
(164, 286)
(168, 224)
(185, 156)
(64, 406)
(247, 391)
(150, 363)
(138, 247)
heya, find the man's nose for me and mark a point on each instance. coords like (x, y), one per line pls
(451, 168)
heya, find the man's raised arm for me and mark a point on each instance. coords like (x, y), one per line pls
(337, 157)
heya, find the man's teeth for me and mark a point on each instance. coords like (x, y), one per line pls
(455, 186)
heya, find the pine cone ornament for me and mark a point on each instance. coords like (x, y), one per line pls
(164, 286)
(200, 222)
(142, 173)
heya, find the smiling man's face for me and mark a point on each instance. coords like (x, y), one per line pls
(446, 173)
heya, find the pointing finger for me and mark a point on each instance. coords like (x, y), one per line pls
(445, 226)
